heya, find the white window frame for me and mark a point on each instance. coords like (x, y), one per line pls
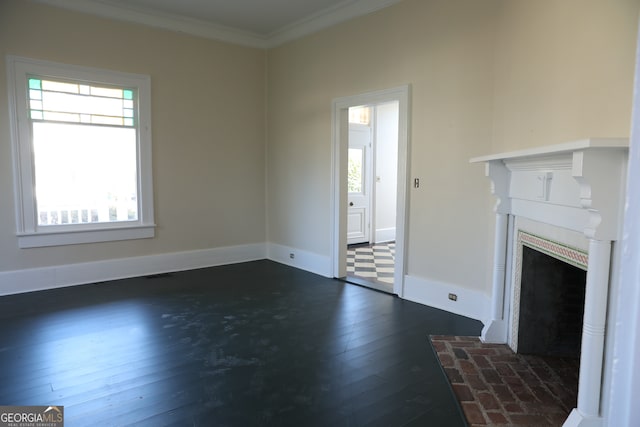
(29, 233)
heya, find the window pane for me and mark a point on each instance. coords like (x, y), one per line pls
(355, 170)
(105, 91)
(35, 84)
(63, 102)
(84, 173)
(71, 103)
(361, 115)
(106, 120)
(61, 117)
(35, 94)
(59, 86)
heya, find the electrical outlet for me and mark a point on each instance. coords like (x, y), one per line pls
(453, 297)
(292, 255)
(416, 182)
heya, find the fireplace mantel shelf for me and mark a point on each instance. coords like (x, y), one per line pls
(566, 147)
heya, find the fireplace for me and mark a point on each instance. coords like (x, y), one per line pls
(548, 321)
(558, 218)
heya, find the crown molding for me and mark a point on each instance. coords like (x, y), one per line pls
(337, 14)
(342, 12)
(161, 20)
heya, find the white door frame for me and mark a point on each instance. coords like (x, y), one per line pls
(623, 407)
(340, 135)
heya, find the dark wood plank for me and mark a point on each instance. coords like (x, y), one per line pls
(249, 344)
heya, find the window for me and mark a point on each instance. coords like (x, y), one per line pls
(355, 177)
(355, 181)
(82, 153)
(360, 115)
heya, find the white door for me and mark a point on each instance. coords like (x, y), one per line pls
(359, 184)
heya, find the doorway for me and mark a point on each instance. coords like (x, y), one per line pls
(370, 186)
(371, 194)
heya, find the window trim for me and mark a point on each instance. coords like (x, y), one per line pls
(28, 232)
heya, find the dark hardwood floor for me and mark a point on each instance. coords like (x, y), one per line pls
(242, 345)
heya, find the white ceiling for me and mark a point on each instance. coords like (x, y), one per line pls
(257, 23)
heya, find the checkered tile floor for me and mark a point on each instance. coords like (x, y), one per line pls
(372, 262)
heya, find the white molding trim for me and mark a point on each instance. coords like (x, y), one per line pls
(470, 303)
(383, 235)
(38, 279)
(304, 260)
(344, 11)
(107, 234)
(155, 19)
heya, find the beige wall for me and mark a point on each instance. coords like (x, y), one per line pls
(564, 71)
(208, 130)
(444, 49)
(486, 76)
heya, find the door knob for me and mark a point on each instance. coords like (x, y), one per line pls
(350, 203)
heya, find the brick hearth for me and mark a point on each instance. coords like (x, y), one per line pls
(496, 387)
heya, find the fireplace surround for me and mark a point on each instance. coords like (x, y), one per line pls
(570, 195)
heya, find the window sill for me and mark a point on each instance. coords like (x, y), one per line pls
(74, 237)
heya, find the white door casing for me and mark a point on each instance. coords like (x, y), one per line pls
(360, 184)
(340, 136)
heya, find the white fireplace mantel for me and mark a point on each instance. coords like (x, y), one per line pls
(576, 185)
(579, 186)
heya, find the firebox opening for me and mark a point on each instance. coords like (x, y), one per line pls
(552, 294)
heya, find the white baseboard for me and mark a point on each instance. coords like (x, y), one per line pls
(577, 419)
(470, 303)
(385, 235)
(309, 261)
(495, 331)
(37, 279)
